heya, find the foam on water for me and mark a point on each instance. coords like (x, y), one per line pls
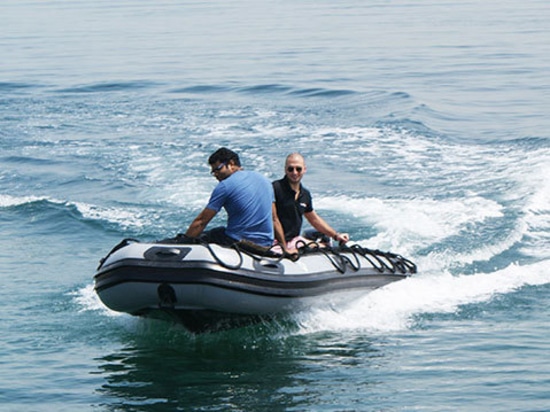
(124, 218)
(9, 201)
(408, 224)
(394, 307)
(537, 217)
(88, 300)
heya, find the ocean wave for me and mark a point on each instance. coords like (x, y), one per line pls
(321, 92)
(17, 86)
(29, 160)
(124, 219)
(264, 89)
(105, 87)
(11, 201)
(202, 88)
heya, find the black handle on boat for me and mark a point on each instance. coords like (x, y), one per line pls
(123, 243)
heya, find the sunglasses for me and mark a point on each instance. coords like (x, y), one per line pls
(291, 169)
(218, 168)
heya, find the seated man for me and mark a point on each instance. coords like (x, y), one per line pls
(247, 198)
(294, 201)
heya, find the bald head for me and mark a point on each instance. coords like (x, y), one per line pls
(293, 158)
(295, 167)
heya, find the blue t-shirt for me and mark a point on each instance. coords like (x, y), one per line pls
(247, 198)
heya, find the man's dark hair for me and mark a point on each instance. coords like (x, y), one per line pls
(224, 155)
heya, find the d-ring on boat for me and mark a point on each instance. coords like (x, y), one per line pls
(208, 287)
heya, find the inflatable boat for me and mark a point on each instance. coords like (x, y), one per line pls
(208, 287)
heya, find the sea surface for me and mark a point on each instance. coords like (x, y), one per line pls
(425, 127)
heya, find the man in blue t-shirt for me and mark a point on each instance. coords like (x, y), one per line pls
(248, 199)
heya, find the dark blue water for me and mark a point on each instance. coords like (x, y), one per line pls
(425, 129)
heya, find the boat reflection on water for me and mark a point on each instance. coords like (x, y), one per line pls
(259, 367)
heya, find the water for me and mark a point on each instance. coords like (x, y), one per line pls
(425, 128)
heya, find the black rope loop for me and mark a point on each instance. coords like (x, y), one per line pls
(221, 262)
(386, 260)
(409, 265)
(369, 256)
(399, 262)
(354, 267)
(331, 255)
(314, 247)
(259, 255)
